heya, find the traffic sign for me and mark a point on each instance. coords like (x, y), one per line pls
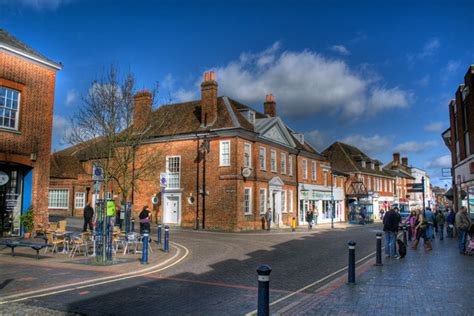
(163, 179)
(415, 185)
(97, 172)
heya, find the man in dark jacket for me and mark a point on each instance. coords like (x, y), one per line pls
(390, 227)
(88, 215)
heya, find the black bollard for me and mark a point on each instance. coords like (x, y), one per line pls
(351, 270)
(405, 234)
(145, 247)
(167, 239)
(159, 234)
(379, 250)
(263, 272)
(133, 225)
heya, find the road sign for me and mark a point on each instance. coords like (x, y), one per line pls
(415, 185)
(97, 172)
(163, 179)
(415, 190)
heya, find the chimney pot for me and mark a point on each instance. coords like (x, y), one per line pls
(208, 100)
(206, 76)
(269, 107)
(212, 75)
(141, 109)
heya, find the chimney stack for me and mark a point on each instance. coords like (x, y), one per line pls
(405, 161)
(208, 99)
(269, 107)
(141, 109)
(396, 159)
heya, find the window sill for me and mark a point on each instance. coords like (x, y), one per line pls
(248, 214)
(13, 131)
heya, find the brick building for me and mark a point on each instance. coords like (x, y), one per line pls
(368, 185)
(402, 174)
(225, 164)
(27, 83)
(460, 143)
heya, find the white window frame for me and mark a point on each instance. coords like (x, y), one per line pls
(273, 160)
(313, 170)
(284, 202)
(290, 165)
(290, 206)
(368, 183)
(249, 210)
(248, 155)
(80, 196)
(262, 158)
(305, 169)
(325, 175)
(58, 203)
(263, 201)
(17, 110)
(223, 162)
(174, 178)
(283, 163)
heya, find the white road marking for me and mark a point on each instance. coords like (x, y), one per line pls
(98, 281)
(312, 284)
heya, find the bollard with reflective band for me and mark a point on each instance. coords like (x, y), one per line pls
(159, 234)
(379, 250)
(405, 234)
(167, 239)
(263, 272)
(351, 270)
(145, 247)
(133, 225)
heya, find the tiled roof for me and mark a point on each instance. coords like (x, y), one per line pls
(12, 42)
(65, 166)
(347, 158)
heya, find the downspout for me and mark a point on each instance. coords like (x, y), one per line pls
(297, 187)
(197, 181)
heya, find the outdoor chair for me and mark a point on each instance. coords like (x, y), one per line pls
(62, 225)
(53, 226)
(131, 240)
(78, 242)
(53, 240)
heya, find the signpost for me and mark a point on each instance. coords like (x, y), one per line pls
(418, 188)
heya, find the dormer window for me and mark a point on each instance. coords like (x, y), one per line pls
(363, 163)
(372, 166)
(250, 116)
(380, 168)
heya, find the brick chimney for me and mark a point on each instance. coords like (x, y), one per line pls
(269, 107)
(396, 159)
(208, 99)
(141, 109)
(405, 161)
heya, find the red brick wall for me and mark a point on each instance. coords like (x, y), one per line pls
(36, 84)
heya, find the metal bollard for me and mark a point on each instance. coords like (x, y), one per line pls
(167, 239)
(145, 247)
(133, 225)
(159, 234)
(263, 272)
(351, 270)
(405, 234)
(379, 250)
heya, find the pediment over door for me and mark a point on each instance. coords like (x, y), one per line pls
(276, 181)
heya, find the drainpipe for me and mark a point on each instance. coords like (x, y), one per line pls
(297, 188)
(197, 181)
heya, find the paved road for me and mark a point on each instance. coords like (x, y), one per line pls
(218, 276)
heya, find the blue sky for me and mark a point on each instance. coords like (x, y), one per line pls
(376, 74)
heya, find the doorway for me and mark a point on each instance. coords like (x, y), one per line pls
(171, 213)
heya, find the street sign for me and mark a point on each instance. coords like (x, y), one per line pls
(97, 172)
(415, 185)
(163, 179)
(415, 190)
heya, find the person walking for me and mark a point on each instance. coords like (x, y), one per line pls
(440, 220)
(421, 227)
(450, 223)
(309, 218)
(390, 227)
(410, 222)
(462, 224)
(145, 219)
(88, 215)
(268, 218)
(430, 219)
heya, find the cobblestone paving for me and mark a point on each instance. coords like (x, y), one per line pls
(423, 283)
(16, 309)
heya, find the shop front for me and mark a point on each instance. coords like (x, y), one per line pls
(318, 198)
(15, 197)
(384, 204)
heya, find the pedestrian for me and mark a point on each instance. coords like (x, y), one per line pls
(450, 223)
(309, 218)
(382, 211)
(88, 215)
(145, 219)
(268, 218)
(390, 227)
(440, 220)
(118, 221)
(410, 222)
(421, 227)
(430, 219)
(462, 224)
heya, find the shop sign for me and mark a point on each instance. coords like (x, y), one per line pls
(318, 195)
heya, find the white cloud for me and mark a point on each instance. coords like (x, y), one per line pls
(416, 147)
(435, 127)
(61, 128)
(38, 5)
(440, 162)
(430, 48)
(341, 49)
(370, 145)
(303, 83)
(71, 97)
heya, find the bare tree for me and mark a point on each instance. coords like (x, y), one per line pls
(103, 130)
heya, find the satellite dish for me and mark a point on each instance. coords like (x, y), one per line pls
(246, 172)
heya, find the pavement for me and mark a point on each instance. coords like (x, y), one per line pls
(438, 282)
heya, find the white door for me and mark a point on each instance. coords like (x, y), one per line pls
(171, 213)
